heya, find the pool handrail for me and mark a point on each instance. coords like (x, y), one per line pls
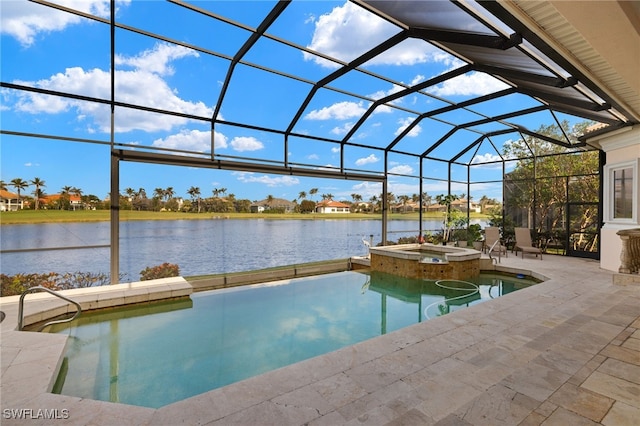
(48, 290)
(497, 242)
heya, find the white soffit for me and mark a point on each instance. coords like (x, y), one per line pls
(600, 38)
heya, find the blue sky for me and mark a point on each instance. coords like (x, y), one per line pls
(44, 48)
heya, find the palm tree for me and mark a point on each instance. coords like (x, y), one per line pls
(484, 200)
(169, 193)
(65, 198)
(130, 193)
(78, 192)
(426, 199)
(38, 183)
(140, 197)
(356, 201)
(194, 191)
(374, 202)
(302, 195)
(312, 192)
(3, 185)
(158, 193)
(405, 200)
(19, 185)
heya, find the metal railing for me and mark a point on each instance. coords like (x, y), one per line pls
(48, 290)
(493, 246)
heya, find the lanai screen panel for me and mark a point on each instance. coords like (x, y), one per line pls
(372, 86)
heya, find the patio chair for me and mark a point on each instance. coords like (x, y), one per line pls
(492, 241)
(523, 243)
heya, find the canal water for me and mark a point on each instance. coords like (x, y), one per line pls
(198, 247)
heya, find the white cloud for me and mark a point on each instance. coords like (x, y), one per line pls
(335, 149)
(342, 130)
(471, 84)
(156, 60)
(243, 143)
(348, 31)
(417, 79)
(398, 188)
(367, 189)
(367, 160)
(338, 111)
(247, 177)
(404, 123)
(138, 86)
(403, 169)
(24, 20)
(487, 158)
(192, 140)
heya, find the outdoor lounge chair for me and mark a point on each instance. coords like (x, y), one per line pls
(523, 243)
(492, 241)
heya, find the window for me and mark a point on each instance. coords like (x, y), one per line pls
(623, 193)
(621, 197)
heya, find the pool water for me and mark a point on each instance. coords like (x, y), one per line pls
(155, 354)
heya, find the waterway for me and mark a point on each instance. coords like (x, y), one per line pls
(198, 247)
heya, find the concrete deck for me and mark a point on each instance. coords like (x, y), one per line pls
(566, 351)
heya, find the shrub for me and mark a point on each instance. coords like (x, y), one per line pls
(165, 270)
(83, 280)
(12, 285)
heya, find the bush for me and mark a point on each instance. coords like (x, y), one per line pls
(166, 270)
(12, 285)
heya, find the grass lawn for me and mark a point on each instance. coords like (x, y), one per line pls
(54, 216)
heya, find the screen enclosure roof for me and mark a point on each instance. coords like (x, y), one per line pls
(449, 81)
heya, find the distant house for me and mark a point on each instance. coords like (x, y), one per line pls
(405, 208)
(10, 202)
(330, 206)
(436, 208)
(272, 204)
(462, 205)
(75, 201)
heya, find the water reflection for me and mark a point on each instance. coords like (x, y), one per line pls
(159, 353)
(198, 247)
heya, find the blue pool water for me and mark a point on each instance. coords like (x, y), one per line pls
(155, 354)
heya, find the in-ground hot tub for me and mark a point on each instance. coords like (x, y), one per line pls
(426, 261)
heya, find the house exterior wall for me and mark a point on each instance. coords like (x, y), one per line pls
(621, 147)
(9, 202)
(331, 209)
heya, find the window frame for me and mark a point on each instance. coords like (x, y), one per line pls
(609, 195)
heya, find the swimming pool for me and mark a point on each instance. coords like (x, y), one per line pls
(156, 354)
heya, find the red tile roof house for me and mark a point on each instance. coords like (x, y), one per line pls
(10, 202)
(74, 200)
(330, 206)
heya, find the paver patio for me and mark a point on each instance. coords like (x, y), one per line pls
(566, 351)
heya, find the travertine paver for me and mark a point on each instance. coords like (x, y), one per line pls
(579, 400)
(566, 351)
(621, 414)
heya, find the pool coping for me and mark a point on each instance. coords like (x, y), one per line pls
(42, 353)
(30, 361)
